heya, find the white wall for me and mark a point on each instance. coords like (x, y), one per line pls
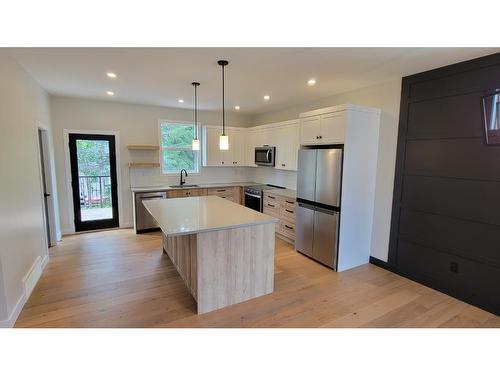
(135, 124)
(22, 235)
(273, 176)
(385, 96)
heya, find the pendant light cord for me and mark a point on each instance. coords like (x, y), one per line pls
(223, 105)
(195, 113)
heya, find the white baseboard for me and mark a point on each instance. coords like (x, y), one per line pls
(31, 278)
(9, 323)
(66, 231)
(29, 281)
(127, 225)
(44, 261)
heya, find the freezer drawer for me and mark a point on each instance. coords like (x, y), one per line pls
(325, 237)
(328, 176)
(304, 229)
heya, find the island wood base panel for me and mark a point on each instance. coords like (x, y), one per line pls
(224, 267)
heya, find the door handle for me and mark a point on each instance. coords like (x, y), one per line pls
(46, 195)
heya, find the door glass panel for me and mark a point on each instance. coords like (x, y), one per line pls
(94, 179)
(491, 113)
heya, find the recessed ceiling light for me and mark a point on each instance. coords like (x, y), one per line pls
(111, 75)
(181, 100)
(267, 97)
(237, 107)
(110, 93)
(311, 82)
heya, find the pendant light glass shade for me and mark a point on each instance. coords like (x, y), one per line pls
(195, 145)
(223, 142)
(223, 139)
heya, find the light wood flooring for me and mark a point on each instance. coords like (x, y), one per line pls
(119, 279)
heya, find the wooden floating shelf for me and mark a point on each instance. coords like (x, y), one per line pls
(143, 147)
(143, 165)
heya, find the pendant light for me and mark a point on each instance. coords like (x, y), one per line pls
(196, 142)
(223, 139)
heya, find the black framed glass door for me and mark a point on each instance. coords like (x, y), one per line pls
(94, 181)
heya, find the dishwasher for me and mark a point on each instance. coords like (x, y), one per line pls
(144, 222)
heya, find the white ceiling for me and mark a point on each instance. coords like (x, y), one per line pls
(160, 76)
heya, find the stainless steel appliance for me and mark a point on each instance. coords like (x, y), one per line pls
(254, 194)
(265, 155)
(318, 204)
(144, 222)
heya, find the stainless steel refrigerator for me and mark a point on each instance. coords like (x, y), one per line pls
(319, 181)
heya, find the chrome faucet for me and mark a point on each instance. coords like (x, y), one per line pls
(183, 181)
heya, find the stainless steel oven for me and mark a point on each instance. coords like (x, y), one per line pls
(253, 199)
(254, 194)
(265, 155)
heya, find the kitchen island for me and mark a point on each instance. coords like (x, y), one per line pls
(224, 252)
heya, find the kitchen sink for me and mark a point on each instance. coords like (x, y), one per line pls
(183, 186)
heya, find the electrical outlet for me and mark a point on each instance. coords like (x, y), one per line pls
(454, 267)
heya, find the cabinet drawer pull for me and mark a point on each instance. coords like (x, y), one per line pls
(221, 190)
(271, 205)
(282, 165)
(289, 211)
(290, 202)
(288, 226)
(270, 196)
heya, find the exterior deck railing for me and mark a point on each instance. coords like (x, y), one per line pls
(95, 191)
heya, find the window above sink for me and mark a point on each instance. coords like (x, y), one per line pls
(175, 148)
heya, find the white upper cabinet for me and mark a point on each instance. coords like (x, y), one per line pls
(250, 144)
(214, 157)
(324, 126)
(287, 146)
(236, 147)
(310, 130)
(333, 127)
(284, 136)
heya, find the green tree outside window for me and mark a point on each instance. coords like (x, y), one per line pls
(176, 139)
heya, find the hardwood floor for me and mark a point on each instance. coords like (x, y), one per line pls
(119, 279)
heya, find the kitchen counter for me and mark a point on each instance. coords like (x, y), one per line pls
(283, 192)
(178, 216)
(144, 189)
(223, 251)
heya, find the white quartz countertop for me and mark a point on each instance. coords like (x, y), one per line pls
(283, 192)
(142, 189)
(178, 216)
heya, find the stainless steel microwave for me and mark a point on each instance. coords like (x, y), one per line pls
(265, 155)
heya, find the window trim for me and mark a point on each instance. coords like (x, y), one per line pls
(162, 121)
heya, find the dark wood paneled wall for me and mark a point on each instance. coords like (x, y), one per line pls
(445, 229)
